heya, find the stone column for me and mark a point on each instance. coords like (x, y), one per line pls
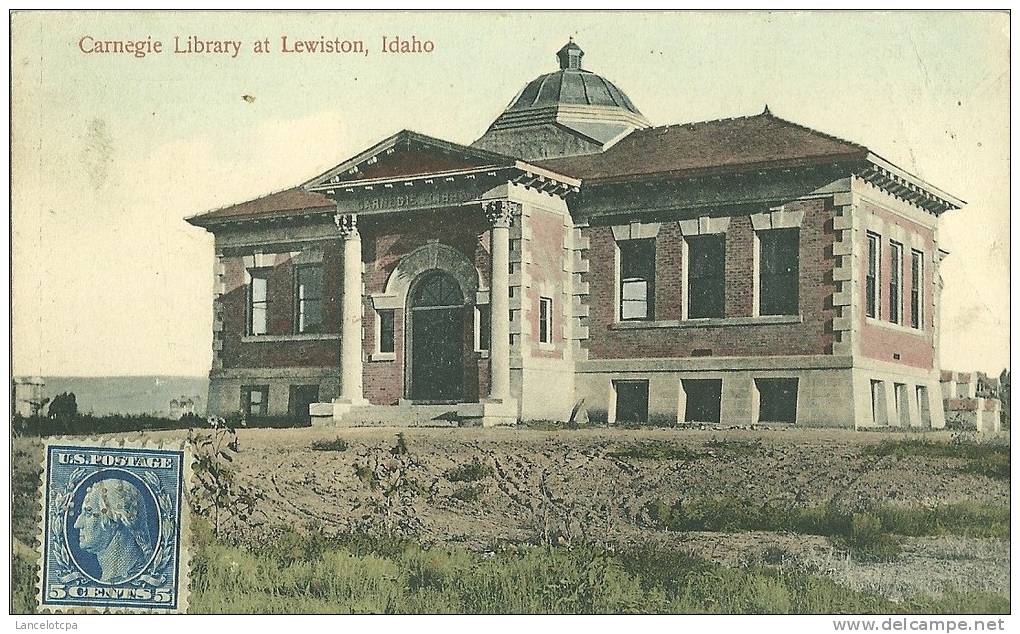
(350, 328)
(500, 215)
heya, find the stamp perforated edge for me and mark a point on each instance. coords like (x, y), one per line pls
(184, 552)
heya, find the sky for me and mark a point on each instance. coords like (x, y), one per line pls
(110, 152)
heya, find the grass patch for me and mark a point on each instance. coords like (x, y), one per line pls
(337, 444)
(734, 447)
(654, 451)
(867, 534)
(310, 572)
(469, 472)
(982, 458)
(556, 425)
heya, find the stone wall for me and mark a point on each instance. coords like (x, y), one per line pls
(971, 402)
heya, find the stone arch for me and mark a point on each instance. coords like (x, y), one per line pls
(432, 256)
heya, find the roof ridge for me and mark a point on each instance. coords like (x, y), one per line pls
(766, 114)
(685, 123)
(831, 137)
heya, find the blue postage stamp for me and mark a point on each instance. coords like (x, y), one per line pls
(112, 537)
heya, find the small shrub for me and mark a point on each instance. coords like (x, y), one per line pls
(470, 472)
(364, 472)
(216, 494)
(868, 541)
(400, 449)
(468, 492)
(337, 444)
(776, 555)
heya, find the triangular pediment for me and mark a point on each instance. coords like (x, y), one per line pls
(406, 155)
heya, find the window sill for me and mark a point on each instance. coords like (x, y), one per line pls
(382, 356)
(710, 322)
(482, 354)
(919, 332)
(298, 337)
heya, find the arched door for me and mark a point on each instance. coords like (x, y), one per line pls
(437, 338)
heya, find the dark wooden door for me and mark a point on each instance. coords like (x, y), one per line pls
(437, 366)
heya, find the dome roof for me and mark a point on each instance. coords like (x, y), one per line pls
(567, 112)
(571, 85)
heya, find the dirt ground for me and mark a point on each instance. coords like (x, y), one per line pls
(564, 486)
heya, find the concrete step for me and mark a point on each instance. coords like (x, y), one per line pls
(402, 416)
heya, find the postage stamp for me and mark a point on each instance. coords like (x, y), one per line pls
(112, 527)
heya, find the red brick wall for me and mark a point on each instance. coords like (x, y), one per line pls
(881, 342)
(280, 319)
(384, 243)
(546, 272)
(812, 336)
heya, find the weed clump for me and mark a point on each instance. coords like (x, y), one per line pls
(337, 444)
(468, 492)
(469, 472)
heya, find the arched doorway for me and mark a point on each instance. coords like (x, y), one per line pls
(436, 313)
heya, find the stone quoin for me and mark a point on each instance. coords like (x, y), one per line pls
(576, 261)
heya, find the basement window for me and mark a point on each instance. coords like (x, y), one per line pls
(704, 400)
(777, 400)
(255, 400)
(631, 401)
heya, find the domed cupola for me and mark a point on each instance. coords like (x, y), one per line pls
(568, 112)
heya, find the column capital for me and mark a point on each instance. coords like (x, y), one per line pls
(500, 213)
(347, 225)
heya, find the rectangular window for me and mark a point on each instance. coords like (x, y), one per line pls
(874, 268)
(895, 282)
(301, 396)
(482, 325)
(255, 400)
(631, 401)
(637, 279)
(706, 272)
(916, 284)
(544, 320)
(258, 301)
(386, 338)
(704, 400)
(779, 272)
(308, 298)
(777, 400)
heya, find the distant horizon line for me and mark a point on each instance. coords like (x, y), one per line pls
(110, 376)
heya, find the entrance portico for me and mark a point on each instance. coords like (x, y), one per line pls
(438, 297)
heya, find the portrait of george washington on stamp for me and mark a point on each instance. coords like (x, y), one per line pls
(112, 528)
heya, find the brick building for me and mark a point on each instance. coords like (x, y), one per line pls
(577, 261)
